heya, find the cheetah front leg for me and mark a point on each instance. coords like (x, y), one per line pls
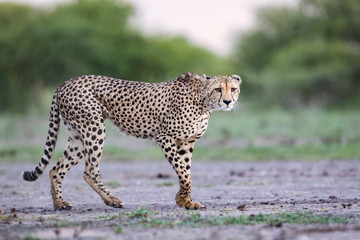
(179, 155)
(185, 149)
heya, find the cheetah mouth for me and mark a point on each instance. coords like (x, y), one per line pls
(223, 107)
(226, 108)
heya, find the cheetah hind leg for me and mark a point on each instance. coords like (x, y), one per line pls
(92, 173)
(73, 153)
(58, 202)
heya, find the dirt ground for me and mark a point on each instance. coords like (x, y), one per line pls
(320, 188)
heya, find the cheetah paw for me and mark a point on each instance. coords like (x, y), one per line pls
(114, 202)
(193, 206)
(187, 202)
(60, 205)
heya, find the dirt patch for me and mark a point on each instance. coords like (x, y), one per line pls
(229, 190)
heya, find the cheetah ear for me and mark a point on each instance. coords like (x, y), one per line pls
(206, 77)
(206, 81)
(237, 77)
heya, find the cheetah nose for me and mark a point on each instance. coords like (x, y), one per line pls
(227, 102)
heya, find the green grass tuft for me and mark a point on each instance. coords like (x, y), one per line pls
(142, 212)
(107, 216)
(29, 237)
(285, 217)
(165, 184)
(145, 218)
(118, 230)
(112, 184)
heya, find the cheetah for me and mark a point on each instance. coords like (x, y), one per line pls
(174, 113)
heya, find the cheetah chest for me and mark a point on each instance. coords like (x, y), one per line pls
(200, 126)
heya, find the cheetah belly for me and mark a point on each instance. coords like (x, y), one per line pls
(138, 124)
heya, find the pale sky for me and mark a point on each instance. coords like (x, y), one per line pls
(213, 24)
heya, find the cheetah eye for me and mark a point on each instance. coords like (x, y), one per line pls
(217, 89)
(233, 89)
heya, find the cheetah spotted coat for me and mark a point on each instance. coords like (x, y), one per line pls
(175, 114)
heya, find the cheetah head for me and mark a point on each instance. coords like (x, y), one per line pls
(222, 91)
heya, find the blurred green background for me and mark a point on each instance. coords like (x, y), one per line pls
(300, 67)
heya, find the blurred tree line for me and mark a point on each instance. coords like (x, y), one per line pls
(42, 48)
(308, 55)
(300, 56)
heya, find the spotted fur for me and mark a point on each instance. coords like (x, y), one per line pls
(175, 114)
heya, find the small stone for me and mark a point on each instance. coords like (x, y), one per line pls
(278, 225)
(241, 207)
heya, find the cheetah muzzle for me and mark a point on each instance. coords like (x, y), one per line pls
(175, 114)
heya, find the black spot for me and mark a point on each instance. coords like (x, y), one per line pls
(182, 152)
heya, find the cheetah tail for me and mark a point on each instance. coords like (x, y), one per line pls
(54, 124)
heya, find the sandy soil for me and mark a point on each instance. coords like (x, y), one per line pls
(325, 187)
